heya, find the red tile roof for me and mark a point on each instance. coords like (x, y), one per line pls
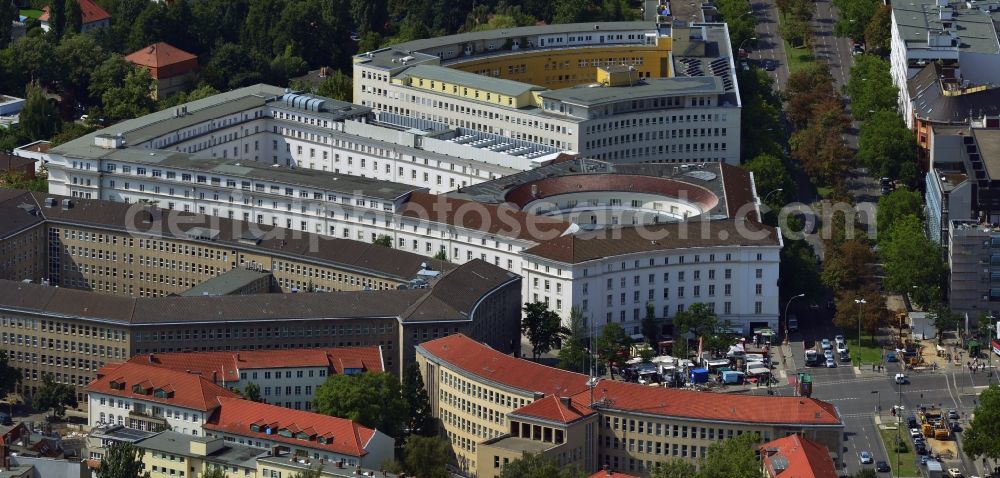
(235, 416)
(189, 391)
(475, 358)
(553, 409)
(803, 458)
(723, 407)
(588, 246)
(216, 365)
(159, 55)
(503, 220)
(91, 12)
(611, 474)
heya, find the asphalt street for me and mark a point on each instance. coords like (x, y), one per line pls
(860, 395)
(769, 45)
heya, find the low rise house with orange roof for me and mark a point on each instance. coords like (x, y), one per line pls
(333, 440)
(795, 456)
(92, 16)
(148, 398)
(287, 378)
(609, 473)
(493, 406)
(173, 70)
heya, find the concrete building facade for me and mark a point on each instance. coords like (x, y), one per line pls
(676, 101)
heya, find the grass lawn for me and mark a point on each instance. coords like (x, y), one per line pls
(870, 351)
(907, 461)
(31, 13)
(798, 58)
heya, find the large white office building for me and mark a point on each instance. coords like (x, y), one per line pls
(621, 92)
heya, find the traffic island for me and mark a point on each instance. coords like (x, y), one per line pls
(906, 462)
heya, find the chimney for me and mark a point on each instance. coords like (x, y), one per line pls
(4, 458)
(566, 401)
(607, 471)
(152, 358)
(237, 355)
(274, 450)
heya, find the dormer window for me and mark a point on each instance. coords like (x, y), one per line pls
(117, 385)
(255, 428)
(285, 433)
(139, 389)
(163, 393)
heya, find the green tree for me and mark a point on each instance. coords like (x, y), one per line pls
(54, 397)
(538, 466)
(285, 66)
(885, 144)
(570, 11)
(316, 472)
(369, 15)
(944, 319)
(612, 345)
(797, 31)
(760, 121)
(798, 269)
(383, 241)
(865, 473)
(419, 420)
(57, 18)
(771, 174)
(674, 468)
(122, 460)
(230, 66)
(896, 205)
(337, 86)
(847, 264)
(542, 327)
(441, 256)
(109, 74)
(650, 329)
(696, 319)
(8, 15)
(370, 41)
(854, 17)
(879, 29)
(39, 118)
(34, 57)
(913, 263)
(252, 392)
(732, 458)
(74, 16)
(870, 87)
(132, 99)
(78, 55)
(427, 457)
(372, 399)
(980, 438)
(573, 354)
(70, 131)
(10, 377)
(214, 472)
(873, 313)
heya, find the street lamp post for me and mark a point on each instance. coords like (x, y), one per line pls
(878, 402)
(786, 313)
(744, 41)
(899, 414)
(770, 193)
(861, 304)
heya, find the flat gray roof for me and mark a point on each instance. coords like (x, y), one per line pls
(988, 141)
(449, 75)
(504, 33)
(653, 87)
(175, 443)
(520, 444)
(248, 169)
(974, 27)
(226, 283)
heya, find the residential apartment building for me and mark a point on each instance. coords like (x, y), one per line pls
(492, 407)
(287, 378)
(662, 93)
(974, 267)
(955, 35)
(940, 98)
(72, 333)
(962, 179)
(146, 398)
(173, 70)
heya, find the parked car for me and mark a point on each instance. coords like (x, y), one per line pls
(923, 460)
(915, 433)
(825, 344)
(770, 65)
(911, 422)
(955, 473)
(865, 457)
(831, 363)
(901, 379)
(5, 419)
(891, 357)
(839, 339)
(952, 415)
(881, 466)
(920, 448)
(813, 306)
